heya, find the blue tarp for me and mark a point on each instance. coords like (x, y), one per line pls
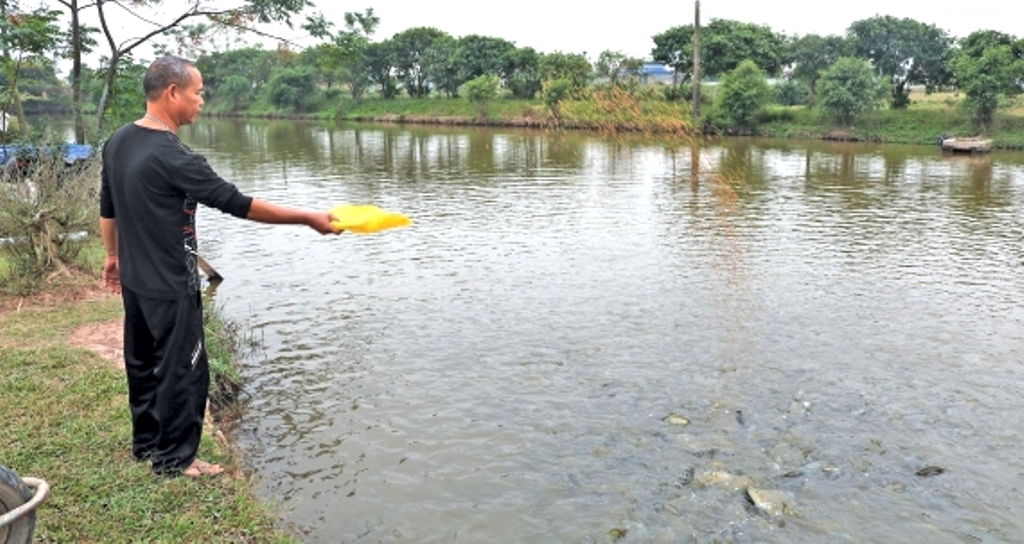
(71, 152)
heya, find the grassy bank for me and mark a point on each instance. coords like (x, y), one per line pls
(65, 419)
(928, 117)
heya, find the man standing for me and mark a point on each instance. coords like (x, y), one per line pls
(151, 183)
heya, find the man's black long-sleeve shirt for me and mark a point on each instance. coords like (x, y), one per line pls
(151, 183)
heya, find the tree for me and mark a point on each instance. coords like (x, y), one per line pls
(479, 55)
(380, 67)
(674, 48)
(80, 42)
(573, 68)
(905, 51)
(724, 45)
(978, 42)
(252, 63)
(408, 50)
(849, 88)
(441, 65)
(291, 87)
(345, 52)
(243, 15)
(126, 97)
(990, 65)
(812, 53)
(23, 34)
(744, 91)
(618, 68)
(525, 79)
(236, 92)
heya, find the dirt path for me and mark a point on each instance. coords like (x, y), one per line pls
(105, 339)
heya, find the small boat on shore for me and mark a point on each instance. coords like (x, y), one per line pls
(966, 145)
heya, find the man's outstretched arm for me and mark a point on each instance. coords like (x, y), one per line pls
(268, 212)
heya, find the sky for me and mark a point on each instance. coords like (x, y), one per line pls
(550, 25)
(553, 25)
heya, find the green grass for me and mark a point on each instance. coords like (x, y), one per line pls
(928, 116)
(64, 418)
(66, 421)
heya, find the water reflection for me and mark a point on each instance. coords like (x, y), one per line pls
(830, 317)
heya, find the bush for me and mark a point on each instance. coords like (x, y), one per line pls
(555, 92)
(849, 88)
(291, 88)
(792, 93)
(744, 92)
(42, 208)
(482, 88)
(672, 93)
(236, 92)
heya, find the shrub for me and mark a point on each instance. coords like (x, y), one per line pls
(744, 92)
(556, 91)
(482, 88)
(849, 88)
(42, 209)
(291, 88)
(792, 93)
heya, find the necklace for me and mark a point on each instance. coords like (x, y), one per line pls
(158, 120)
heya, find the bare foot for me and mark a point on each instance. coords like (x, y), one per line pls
(202, 469)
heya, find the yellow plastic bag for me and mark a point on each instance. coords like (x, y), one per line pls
(366, 219)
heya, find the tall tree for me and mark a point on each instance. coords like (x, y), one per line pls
(441, 65)
(380, 67)
(525, 80)
(724, 45)
(345, 51)
(409, 48)
(80, 42)
(482, 55)
(905, 51)
(674, 47)
(242, 15)
(812, 53)
(24, 34)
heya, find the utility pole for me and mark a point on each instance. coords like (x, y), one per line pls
(696, 62)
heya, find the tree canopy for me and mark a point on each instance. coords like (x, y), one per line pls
(724, 45)
(906, 51)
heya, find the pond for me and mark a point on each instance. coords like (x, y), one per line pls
(589, 338)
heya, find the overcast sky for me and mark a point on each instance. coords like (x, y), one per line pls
(549, 25)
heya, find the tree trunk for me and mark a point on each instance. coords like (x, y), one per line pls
(696, 61)
(19, 110)
(76, 73)
(108, 85)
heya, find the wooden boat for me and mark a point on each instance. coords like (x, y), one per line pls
(966, 145)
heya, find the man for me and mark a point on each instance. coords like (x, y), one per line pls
(151, 183)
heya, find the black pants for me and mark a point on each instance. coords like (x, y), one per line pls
(168, 378)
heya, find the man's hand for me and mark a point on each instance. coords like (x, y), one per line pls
(321, 222)
(111, 275)
(267, 212)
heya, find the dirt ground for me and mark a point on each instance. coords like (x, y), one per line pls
(104, 339)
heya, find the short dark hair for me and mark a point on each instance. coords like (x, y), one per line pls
(164, 72)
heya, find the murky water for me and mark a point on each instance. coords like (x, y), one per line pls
(831, 319)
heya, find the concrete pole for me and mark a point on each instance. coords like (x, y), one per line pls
(696, 61)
